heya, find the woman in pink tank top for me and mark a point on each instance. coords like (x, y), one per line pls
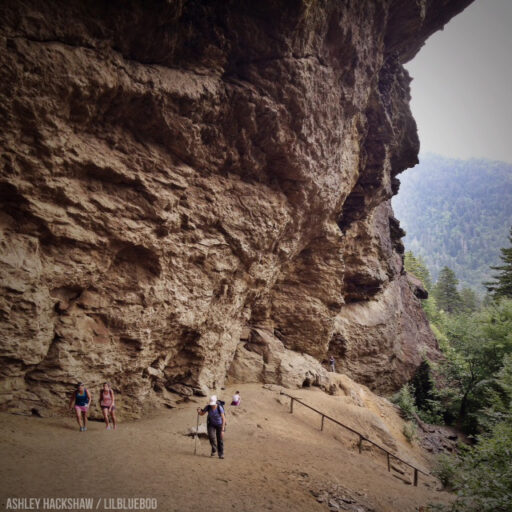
(107, 404)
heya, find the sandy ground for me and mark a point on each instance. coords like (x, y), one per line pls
(273, 459)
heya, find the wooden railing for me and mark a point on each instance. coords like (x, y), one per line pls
(362, 438)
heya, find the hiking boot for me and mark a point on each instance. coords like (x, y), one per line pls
(221, 456)
(214, 451)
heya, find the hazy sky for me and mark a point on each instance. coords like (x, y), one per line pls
(462, 87)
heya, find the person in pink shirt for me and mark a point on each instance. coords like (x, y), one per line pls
(108, 405)
(236, 399)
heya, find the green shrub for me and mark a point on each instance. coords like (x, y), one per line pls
(410, 431)
(481, 475)
(433, 413)
(445, 470)
(483, 479)
(405, 400)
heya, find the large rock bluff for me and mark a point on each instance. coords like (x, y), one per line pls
(177, 173)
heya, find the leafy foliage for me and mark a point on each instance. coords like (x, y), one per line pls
(426, 396)
(475, 348)
(482, 475)
(469, 300)
(445, 470)
(422, 385)
(483, 478)
(410, 431)
(472, 388)
(406, 401)
(456, 213)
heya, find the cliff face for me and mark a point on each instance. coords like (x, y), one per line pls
(176, 172)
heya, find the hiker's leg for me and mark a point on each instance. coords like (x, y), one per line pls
(78, 417)
(85, 417)
(105, 416)
(114, 419)
(211, 436)
(220, 441)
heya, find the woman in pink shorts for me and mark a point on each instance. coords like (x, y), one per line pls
(108, 405)
(80, 401)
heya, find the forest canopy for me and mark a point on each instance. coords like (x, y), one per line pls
(457, 214)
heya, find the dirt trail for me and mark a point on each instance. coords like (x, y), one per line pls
(273, 459)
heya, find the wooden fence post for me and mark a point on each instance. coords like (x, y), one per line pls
(361, 438)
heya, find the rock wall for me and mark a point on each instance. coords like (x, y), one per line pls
(174, 172)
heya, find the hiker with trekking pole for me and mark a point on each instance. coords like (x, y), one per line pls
(216, 424)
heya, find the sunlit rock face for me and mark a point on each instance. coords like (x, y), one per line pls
(174, 172)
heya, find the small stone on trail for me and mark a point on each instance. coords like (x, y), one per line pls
(201, 431)
(333, 505)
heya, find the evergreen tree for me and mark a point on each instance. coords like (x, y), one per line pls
(445, 291)
(470, 302)
(502, 284)
(416, 266)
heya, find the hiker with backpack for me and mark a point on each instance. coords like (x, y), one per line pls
(216, 424)
(80, 400)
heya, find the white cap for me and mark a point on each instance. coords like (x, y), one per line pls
(213, 400)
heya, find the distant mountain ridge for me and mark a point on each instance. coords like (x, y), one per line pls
(456, 213)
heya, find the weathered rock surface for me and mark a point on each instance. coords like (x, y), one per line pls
(175, 171)
(264, 358)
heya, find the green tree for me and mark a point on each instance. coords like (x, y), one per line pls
(461, 370)
(425, 394)
(469, 300)
(416, 266)
(502, 284)
(483, 478)
(423, 385)
(432, 311)
(446, 293)
(482, 475)
(500, 397)
(474, 349)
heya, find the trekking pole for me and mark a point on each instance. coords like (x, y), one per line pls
(197, 433)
